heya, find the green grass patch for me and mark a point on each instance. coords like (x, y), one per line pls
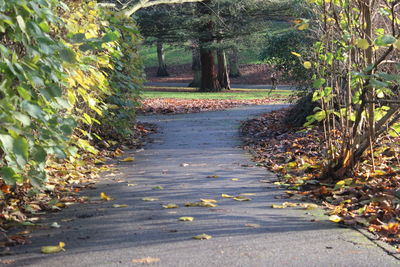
(191, 93)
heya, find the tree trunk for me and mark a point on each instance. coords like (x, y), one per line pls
(223, 76)
(209, 81)
(196, 66)
(234, 71)
(162, 67)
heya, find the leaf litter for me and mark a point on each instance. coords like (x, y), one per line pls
(371, 198)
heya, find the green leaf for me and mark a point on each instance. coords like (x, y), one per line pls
(21, 23)
(385, 40)
(21, 150)
(32, 109)
(111, 36)
(68, 55)
(318, 83)
(9, 176)
(24, 119)
(7, 142)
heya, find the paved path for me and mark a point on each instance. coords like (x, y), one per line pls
(242, 86)
(99, 235)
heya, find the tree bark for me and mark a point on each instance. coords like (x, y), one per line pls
(162, 67)
(209, 80)
(223, 76)
(196, 66)
(234, 71)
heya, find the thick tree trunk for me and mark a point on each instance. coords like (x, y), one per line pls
(196, 66)
(234, 71)
(162, 67)
(223, 76)
(209, 81)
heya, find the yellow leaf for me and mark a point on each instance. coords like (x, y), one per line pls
(397, 44)
(275, 206)
(241, 198)
(226, 196)
(206, 204)
(128, 159)
(103, 196)
(252, 225)
(186, 219)
(335, 218)
(202, 237)
(309, 206)
(362, 43)
(208, 200)
(248, 194)
(132, 184)
(150, 199)
(307, 64)
(296, 54)
(170, 206)
(53, 249)
(158, 187)
(289, 204)
(303, 26)
(190, 204)
(234, 179)
(120, 206)
(147, 260)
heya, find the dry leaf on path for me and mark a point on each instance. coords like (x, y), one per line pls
(128, 159)
(120, 206)
(202, 237)
(241, 198)
(213, 176)
(103, 196)
(147, 260)
(252, 225)
(208, 200)
(53, 249)
(186, 219)
(132, 184)
(226, 196)
(335, 218)
(234, 179)
(170, 206)
(159, 187)
(150, 199)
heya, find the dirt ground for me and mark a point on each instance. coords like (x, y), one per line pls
(251, 74)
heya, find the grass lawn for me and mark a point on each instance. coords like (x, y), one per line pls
(191, 93)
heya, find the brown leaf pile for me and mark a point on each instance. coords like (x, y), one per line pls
(178, 106)
(371, 198)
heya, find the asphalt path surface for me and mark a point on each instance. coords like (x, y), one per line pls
(187, 149)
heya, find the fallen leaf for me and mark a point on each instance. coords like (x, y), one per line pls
(103, 196)
(128, 159)
(158, 187)
(184, 164)
(241, 198)
(206, 204)
(275, 206)
(202, 237)
(226, 196)
(55, 225)
(147, 260)
(234, 179)
(248, 194)
(53, 249)
(309, 206)
(252, 225)
(120, 206)
(335, 218)
(150, 199)
(170, 206)
(186, 219)
(289, 204)
(213, 176)
(132, 184)
(208, 200)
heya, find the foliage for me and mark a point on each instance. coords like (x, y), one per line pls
(357, 77)
(70, 76)
(31, 96)
(278, 49)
